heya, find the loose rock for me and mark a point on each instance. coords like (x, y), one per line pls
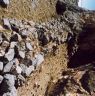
(39, 58)
(6, 23)
(8, 88)
(29, 46)
(18, 69)
(8, 66)
(29, 70)
(10, 79)
(1, 66)
(13, 44)
(1, 39)
(1, 79)
(22, 54)
(10, 54)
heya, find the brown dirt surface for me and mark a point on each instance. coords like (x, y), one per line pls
(22, 9)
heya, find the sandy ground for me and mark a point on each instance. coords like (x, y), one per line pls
(49, 71)
(22, 9)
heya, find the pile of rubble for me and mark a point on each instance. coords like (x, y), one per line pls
(18, 56)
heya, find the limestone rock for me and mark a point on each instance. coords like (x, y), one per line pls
(29, 70)
(8, 66)
(1, 39)
(6, 23)
(1, 66)
(29, 46)
(39, 58)
(22, 54)
(10, 79)
(1, 79)
(10, 54)
(13, 44)
(24, 33)
(24, 68)
(8, 85)
(18, 69)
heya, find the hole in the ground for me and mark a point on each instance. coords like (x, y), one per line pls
(87, 4)
(60, 7)
(86, 47)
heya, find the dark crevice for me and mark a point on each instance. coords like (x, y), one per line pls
(81, 58)
(86, 47)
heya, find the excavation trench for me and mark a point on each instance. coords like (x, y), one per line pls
(86, 47)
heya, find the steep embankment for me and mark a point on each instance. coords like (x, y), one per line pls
(46, 48)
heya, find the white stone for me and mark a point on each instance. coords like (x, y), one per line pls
(29, 70)
(23, 67)
(34, 61)
(2, 52)
(10, 54)
(8, 66)
(1, 79)
(12, 92)
(39, 58)
(9, 82)
(24, 33)
(10, 79)
(22, 54)
(1, 39)
(7, 23)
(13, 44)
(1, 66)
(19, 37)
(29, 46)
(18, 69)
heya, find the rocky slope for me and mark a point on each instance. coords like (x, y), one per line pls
(46, 48)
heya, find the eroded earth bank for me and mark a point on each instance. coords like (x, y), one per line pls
(46, 48)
